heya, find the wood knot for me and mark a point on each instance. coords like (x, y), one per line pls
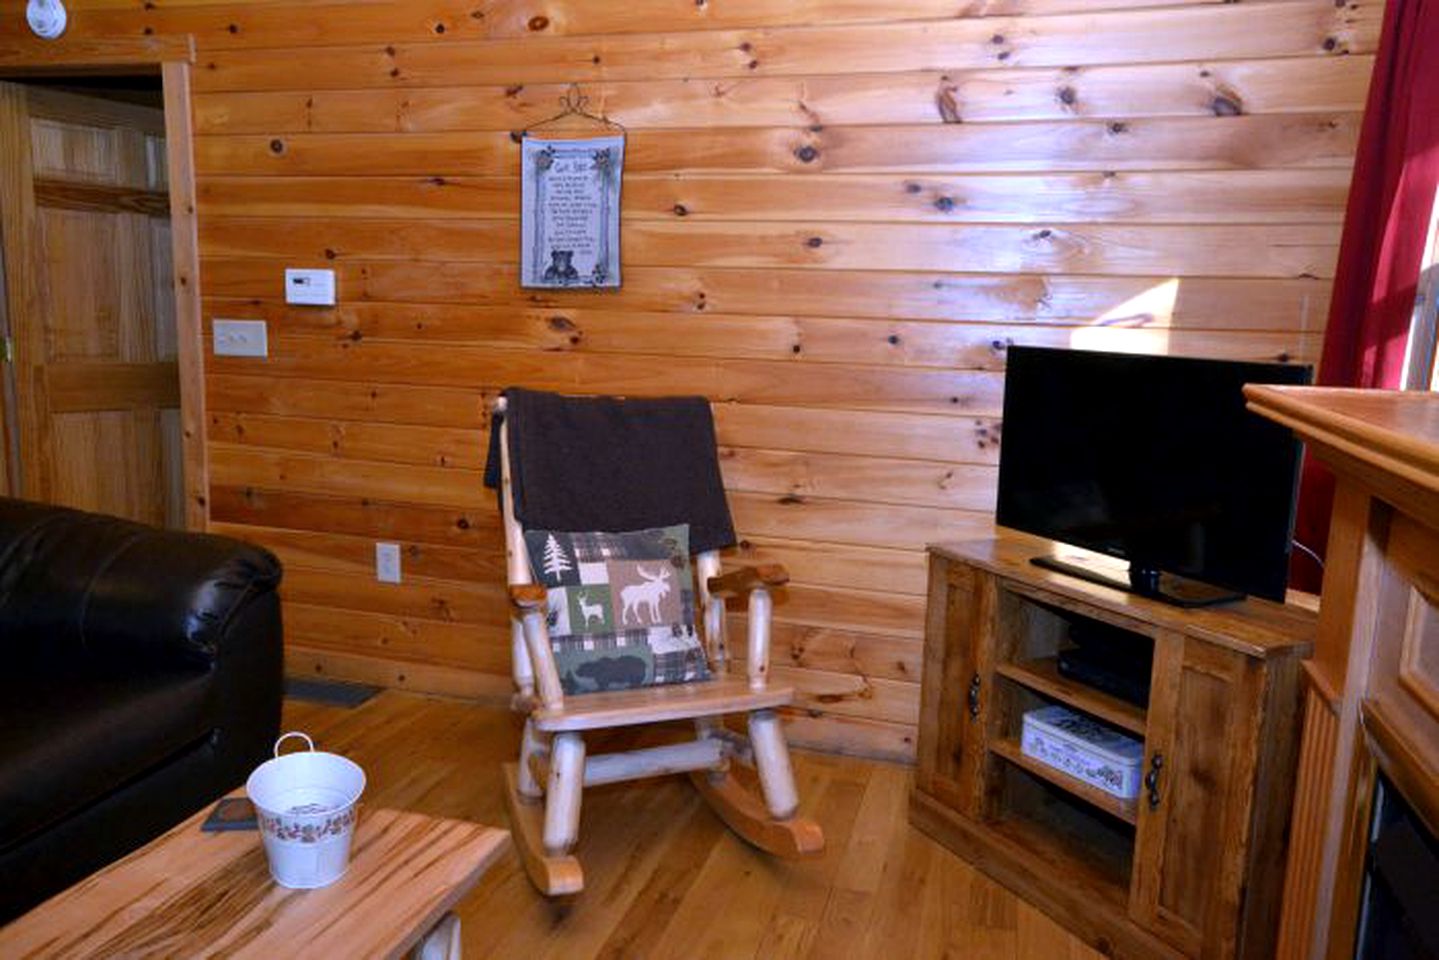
(1331, 44)
(277, 146)
(912, 187)
(538, 22)
(946, 101)
(1068, 96)
(1118, 127)
(330, 253)
(1225, 106)
(517, 136)
(807, 154)
(814, 243)
(514, 90)
(893, 339)
(944, 204)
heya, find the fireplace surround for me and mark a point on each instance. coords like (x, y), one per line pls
(1372, 701)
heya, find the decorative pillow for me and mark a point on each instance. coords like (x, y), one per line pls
(621, 607)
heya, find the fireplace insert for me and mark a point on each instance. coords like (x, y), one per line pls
(1399, 909)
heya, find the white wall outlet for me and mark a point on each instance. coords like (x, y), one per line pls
(312, 288)
(387, 562)
(241, 338)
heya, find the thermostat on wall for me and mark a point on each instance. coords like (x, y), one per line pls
(314, 288)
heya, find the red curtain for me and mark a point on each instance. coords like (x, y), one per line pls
(1396, 174)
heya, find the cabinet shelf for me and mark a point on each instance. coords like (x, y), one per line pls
(1042, 675)
(1010, 750)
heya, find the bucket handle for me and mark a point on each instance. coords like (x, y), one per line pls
(294, 733)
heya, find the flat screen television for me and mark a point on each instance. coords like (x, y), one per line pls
(1153, 460)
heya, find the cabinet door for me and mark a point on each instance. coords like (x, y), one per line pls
(1200, 757)
(951, 750)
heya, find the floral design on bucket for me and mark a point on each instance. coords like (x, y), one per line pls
(312, 832)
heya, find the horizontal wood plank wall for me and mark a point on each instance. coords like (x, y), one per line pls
(838, 215)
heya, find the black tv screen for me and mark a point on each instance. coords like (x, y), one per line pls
(1152, 459)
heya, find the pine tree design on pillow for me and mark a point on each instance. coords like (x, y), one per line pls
(620, 607)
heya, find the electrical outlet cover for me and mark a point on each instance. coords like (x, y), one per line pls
(240, 338)
(387, 562)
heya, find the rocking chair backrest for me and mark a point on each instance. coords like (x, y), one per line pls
(700, 474)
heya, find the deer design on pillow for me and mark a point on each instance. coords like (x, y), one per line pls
(648, 594)
(591, 611)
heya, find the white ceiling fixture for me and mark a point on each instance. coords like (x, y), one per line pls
(46, 17)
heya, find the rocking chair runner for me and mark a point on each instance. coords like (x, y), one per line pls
(542, 790)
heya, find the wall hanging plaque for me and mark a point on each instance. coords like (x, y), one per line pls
(570, 219)
(570, 202)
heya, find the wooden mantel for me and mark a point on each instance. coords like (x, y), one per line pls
(1373, 701)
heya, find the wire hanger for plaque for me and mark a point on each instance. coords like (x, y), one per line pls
(572, 104)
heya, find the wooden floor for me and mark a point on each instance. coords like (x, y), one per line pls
(664, 878)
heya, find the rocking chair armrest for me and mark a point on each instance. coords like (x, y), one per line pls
(527, 596)
(739, 582)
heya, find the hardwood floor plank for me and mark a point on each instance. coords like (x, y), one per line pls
(666, 879)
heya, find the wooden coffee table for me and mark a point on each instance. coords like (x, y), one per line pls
(195, 894)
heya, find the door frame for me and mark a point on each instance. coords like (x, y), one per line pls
(173, 57)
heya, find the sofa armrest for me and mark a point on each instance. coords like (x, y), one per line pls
(77, 584)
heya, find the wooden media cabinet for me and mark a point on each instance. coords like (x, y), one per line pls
(1193, 867)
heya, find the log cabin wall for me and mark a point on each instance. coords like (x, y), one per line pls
(837, 217)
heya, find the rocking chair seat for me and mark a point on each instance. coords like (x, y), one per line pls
(673, 701)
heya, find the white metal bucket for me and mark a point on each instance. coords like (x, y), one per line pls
(306, 806)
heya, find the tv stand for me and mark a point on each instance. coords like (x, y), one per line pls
(1145, 581)
(1192, 867)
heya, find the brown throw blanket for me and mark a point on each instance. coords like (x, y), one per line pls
(604, 464)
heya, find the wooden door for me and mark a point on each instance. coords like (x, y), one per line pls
(86, 232)
(1193, 834)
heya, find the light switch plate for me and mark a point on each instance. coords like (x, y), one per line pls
(241, 338)
(387, 562)
(313, 288)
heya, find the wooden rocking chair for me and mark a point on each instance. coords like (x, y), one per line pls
(542, 790)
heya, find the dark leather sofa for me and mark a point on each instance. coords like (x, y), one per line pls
(141, 679)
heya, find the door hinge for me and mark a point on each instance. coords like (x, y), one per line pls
(7, 350)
